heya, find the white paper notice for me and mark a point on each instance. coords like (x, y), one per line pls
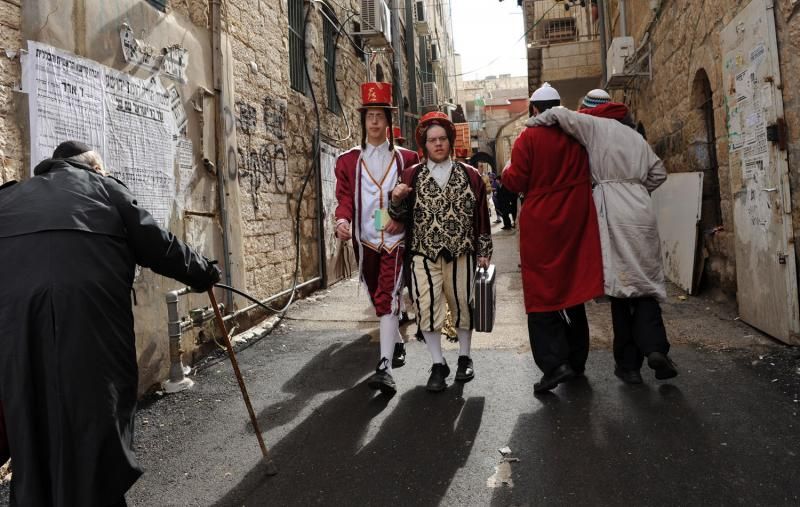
(65, 100)
(128, 120)
(185, 159)
(139, 140)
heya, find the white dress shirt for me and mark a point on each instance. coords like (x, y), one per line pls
(440, 171)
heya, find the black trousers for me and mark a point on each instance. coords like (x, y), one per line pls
(638, 330)
(554, 341)
(509, 212)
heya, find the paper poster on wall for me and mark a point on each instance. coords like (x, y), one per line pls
(66, 100)
(128, 120)
(327, 165)
(178, 110)
(184, 156)
(139, 140)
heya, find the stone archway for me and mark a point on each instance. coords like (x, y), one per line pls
(703, 158)
(484, 157)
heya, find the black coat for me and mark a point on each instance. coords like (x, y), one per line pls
(69, 243)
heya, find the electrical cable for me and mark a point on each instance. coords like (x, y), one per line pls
(306, 179)
(316, 151)
(535, 24)
(335, 84)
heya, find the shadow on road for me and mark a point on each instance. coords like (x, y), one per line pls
(640, 445)
(339, 366)
(412, 458)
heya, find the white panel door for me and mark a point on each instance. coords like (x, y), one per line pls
(765, 260)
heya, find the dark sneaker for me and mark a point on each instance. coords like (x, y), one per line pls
(559, 375)
(382, 380)
(662, 364)
(465, 372)
(399, 356)
(628, 376)
(437, 380)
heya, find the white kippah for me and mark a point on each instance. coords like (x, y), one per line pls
(544, 93)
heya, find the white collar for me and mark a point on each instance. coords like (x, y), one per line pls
(371, 149)
(445, 164)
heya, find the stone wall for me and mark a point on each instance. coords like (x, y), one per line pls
(686, 52)
(275, 126)
(12, 146)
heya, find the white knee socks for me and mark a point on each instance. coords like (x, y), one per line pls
(434, 342)
(464, 341)
(389, 329)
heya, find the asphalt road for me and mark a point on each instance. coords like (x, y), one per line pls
(724, 432)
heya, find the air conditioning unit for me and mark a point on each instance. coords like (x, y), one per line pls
(621, 48)
(430, 95)
(376, 23)
(421, 19)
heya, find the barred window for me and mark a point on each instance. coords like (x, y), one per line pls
(297, 50)
(329, 35)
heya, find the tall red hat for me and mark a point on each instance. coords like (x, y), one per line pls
(434, 118)
(376, 95)
(398, 134)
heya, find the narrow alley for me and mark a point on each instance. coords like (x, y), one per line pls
(722, 433)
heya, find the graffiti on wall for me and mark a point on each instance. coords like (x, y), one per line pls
(261, 162)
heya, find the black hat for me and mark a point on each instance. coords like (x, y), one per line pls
(69, 149)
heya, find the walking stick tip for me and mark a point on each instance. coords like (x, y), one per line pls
(270, 468)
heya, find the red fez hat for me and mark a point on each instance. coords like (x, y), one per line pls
(397, 133)
(376, 95)
(434, 118)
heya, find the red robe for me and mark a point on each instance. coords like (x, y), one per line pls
(559, 237)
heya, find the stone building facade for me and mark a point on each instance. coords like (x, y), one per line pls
(685, 107)
(259, 138)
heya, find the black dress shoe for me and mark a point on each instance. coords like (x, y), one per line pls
(465, 372)
(382, 380)
(437, 380)
(628, 376)
(662, 364)
(506, 228)
(399, 356)
(559, 375)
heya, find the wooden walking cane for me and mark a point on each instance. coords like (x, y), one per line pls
(271, 469)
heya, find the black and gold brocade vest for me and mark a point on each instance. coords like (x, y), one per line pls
(443, 217)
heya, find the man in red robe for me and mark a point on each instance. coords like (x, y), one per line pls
(365, 177)
(559, 243)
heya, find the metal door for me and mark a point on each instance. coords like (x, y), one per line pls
(765, 260)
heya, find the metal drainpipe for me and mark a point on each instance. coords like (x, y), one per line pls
(177, 370)
(623, 22)
(222, 166)
(323, 255)
(601, 15)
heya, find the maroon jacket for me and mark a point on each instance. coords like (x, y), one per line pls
(345, 172)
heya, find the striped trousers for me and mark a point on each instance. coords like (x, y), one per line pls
(435, 282)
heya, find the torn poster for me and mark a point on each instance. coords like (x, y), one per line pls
(184, 157)
(66, 100)
(178, 110)
(135, 51)
(174, 63)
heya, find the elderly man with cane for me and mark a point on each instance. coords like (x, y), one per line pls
(70, 240)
